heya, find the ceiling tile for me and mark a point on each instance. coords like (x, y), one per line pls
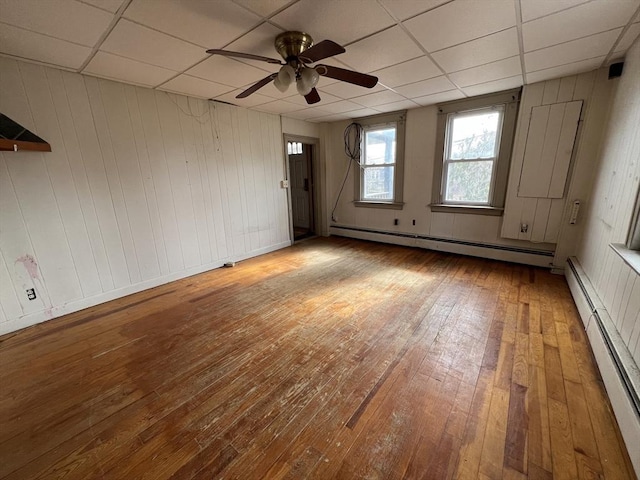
(259, 41)
(228, 71)
(581, 21)
(140, 43)
(532, 9)
(336, 117)
(426, 87)
(411, 71)
(33, 46)
(569, 52)
(119, 68)
(478, 52)
(308, 114)
(492, 87)
(379, 98)
(110, 5)
(508, 67)
(347, 90)
(250, 101)
(342, 22)
(439, 97)
(196, 87)
(381, 50)
(264, 8)
(403, 9)
(63, 19)
(341, 106)
(208, 24)
(392, 107)
(564, 70)
(461, 21)
(300, 100)
(278, 106)
(628, 38)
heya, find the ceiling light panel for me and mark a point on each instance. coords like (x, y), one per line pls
(208, 24)
(461, 21)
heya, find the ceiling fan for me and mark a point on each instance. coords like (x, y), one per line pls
(298, 51)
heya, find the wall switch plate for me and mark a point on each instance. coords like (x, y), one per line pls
(284, 183)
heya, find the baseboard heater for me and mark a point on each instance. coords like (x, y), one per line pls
(505, 248)
(598, 314)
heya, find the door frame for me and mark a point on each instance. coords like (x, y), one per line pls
(315, 180)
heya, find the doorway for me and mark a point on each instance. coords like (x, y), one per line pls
(301, 159)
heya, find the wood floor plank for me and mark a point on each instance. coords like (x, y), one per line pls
(335, 358)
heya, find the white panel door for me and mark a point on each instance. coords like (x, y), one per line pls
(552, 132)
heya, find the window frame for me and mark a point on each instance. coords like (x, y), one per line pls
(509, 101)
(374, 122)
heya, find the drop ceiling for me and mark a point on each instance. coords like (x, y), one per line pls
(423, 51)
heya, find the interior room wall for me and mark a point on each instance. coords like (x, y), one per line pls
(616, 180)
(141, 187)
(419, 163)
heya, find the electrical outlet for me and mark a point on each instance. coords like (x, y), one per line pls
(31, 293)
(284, 183)
(524, 228)
(395, 221)
(414, 221)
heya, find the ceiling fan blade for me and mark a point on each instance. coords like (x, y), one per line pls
(357, 78)
(257, 86)
(324, 49)
(248, 56)
(312, 97)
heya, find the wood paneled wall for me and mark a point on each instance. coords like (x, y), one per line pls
(544, 215)
(141, 187)
(617, 180)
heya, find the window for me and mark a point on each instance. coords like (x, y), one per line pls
(473, 153)
(294, 148)
(379, 183)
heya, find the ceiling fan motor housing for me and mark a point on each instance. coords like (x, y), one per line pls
(291, 44)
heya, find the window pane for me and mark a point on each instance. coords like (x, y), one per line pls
(380, 146)
(378, 183)
(469, 181)
(474, 136)
(289, 149)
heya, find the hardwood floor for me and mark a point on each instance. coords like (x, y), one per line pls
(334, 358)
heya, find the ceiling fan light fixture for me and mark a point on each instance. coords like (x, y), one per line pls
(307, 81)
(286, 77)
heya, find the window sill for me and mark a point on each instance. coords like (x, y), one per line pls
(630, 257)
(472, 209)
(390, 205)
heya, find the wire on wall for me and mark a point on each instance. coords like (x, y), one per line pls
(352, 143)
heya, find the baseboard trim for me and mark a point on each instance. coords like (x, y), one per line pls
(619, 372)
(539, 258)
(80, 304)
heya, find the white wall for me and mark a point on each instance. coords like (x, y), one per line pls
(141, 188)
(607, 220)
(419, 164)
